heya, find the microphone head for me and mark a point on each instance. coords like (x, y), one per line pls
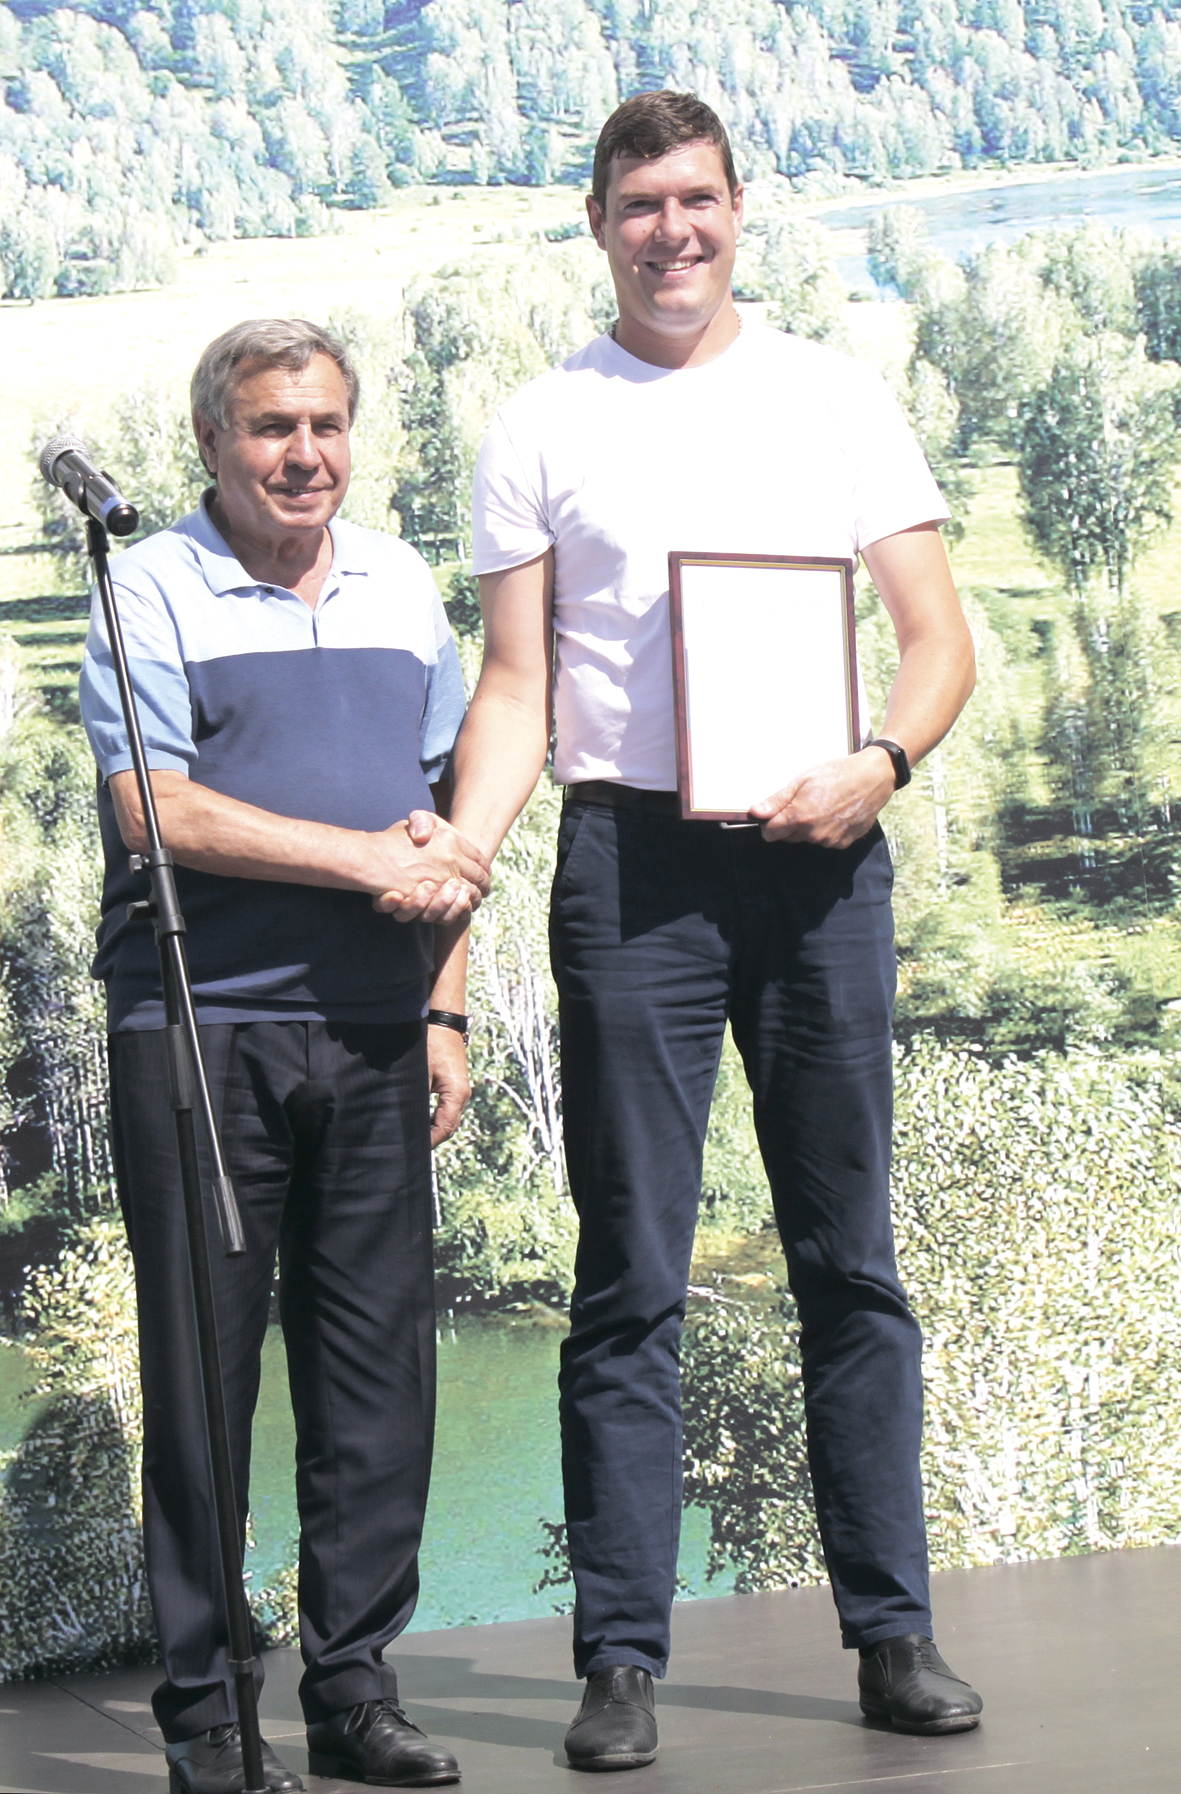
(52, 452)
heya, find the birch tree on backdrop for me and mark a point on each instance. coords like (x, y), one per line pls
(1096, 458)
(1097, 462)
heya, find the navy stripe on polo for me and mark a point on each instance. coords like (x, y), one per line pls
(344, 714)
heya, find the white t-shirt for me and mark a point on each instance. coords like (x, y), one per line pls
(777, 446)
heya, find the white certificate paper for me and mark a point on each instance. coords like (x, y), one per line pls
(764, 674)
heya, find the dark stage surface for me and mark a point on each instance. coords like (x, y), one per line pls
(1076, 1660)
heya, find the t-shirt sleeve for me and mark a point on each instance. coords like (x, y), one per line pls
(509, 525)
(163, 699)
(893, 488)
(446, 702)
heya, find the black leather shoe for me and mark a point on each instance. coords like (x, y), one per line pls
(376, 1743)
(906, 1681)
(211, 1763)
(616, 1724)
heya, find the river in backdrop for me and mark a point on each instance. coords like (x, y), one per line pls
(497, 1473)
(497, 1476)
(1145, 196)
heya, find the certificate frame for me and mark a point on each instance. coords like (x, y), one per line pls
(826, 686)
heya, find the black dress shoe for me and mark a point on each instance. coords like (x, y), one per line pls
(906, 1681)
(211, 1763)
(376, 1743)
(616, 1724)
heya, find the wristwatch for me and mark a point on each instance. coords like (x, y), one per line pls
(898, 758)
(447, 1018)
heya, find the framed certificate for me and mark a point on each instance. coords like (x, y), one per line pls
(764, 675)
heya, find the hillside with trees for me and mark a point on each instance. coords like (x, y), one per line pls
(127, 132)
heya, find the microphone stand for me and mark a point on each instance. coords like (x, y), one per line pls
(189, 1092)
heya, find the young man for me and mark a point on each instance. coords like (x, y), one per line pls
(299, 694)
(682, 429)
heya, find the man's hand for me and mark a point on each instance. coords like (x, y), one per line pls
(446, 1058)
(831, 805)
(434, 874)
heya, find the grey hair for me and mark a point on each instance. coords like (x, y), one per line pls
(275, 342)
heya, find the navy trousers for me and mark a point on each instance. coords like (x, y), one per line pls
(661, 932)
(327, 1138)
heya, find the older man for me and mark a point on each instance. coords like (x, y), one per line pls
(683, 429)
(299, 694)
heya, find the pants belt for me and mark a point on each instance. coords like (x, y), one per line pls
(623, 797)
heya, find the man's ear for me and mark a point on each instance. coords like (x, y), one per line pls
(206, 436)
(594, 213)
(738, 203)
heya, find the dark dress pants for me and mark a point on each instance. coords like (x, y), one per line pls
(327, 1139)
(661, 931)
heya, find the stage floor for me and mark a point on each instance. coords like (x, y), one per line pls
(1076, 1659)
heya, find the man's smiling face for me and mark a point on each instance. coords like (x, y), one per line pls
(670, 227)
(282, 461)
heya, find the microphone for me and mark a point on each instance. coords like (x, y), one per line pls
(65, 463)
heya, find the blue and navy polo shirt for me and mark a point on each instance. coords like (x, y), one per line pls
(344, 714)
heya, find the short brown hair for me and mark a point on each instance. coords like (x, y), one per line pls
(650, 125)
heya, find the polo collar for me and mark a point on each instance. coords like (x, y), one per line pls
(223, 572)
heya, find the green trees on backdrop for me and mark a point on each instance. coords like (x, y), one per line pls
(127, 130)
(1037, 1145)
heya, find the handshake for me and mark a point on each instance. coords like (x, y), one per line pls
(424, 871)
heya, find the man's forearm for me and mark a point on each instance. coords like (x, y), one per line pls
(933, 683)
(503, 742)
(498, 759)
(449, 983)
(210, 832)
(936, 659)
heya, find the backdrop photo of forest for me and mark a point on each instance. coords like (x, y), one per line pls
(412, 177)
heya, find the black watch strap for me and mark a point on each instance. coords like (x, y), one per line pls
(898, 757)
(447, 1018)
